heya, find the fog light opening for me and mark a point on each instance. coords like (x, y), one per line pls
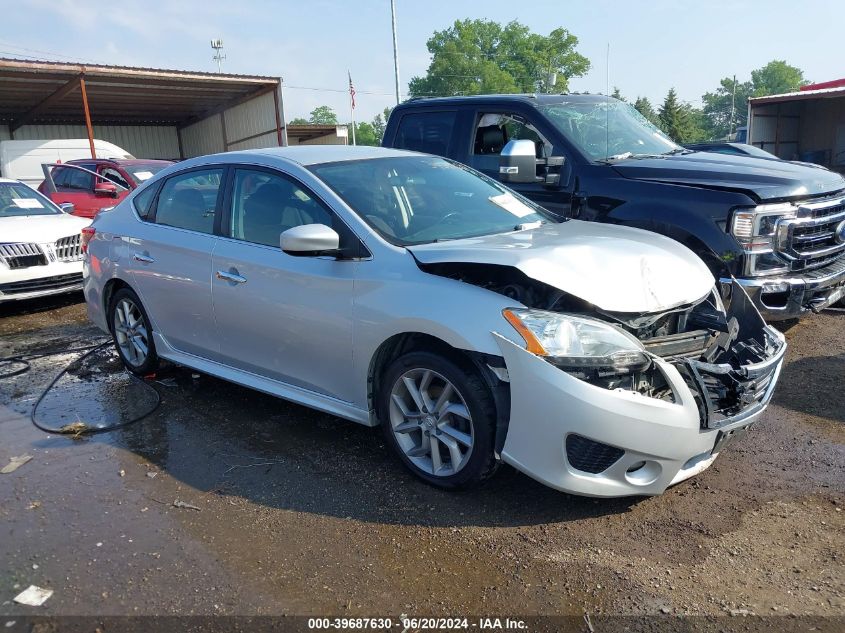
(643, 473)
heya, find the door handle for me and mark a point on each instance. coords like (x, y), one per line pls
(231, 276)
(141, 257)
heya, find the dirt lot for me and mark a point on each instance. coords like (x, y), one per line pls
(302, 513)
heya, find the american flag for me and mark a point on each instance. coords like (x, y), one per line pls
(351, 90)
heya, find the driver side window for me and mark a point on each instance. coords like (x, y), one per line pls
(265, 204)
(493, 131)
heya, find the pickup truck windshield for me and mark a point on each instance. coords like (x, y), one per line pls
(419, 199)
(18, 199)
(608, 130)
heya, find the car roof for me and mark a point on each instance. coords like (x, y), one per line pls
(531, 99)
(10, 181)
(306, 155)
(119, 161)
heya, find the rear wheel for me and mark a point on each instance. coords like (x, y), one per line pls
(133, 336)
(439, 419)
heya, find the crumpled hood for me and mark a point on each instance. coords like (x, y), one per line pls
(764, 178)
(41, 229)
(618, 269)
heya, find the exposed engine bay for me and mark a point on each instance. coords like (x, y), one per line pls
(726, 355)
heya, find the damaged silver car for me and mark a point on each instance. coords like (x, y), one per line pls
(404, 290)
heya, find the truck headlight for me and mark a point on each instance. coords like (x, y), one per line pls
(755, 229)
(576, 343)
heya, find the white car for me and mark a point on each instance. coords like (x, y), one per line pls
(40, 250)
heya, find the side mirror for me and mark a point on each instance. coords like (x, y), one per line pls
(105, 189)
(518, 161)
(67, 207)
(310, 239)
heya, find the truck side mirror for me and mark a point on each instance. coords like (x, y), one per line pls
(518, 162)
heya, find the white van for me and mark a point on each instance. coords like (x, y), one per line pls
(21, 160)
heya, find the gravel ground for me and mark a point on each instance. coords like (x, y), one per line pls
(297, 512)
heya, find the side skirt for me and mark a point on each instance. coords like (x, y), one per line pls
(293, 393)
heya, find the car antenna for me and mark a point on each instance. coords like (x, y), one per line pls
(607, 105)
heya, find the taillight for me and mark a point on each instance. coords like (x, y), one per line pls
(87, 235)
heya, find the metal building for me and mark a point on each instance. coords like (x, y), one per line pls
(150, 113)
(807, 125)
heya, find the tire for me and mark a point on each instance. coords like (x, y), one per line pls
(131, 335)
(445, 429)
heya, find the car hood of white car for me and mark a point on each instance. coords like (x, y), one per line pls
(617, 269)
(40, 229)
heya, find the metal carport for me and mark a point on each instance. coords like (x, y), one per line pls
(807, 125)
(149, 112)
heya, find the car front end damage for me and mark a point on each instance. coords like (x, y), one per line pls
(654, 412)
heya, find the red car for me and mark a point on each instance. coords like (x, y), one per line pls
(87, 193)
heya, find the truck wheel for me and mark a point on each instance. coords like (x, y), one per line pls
(439, 419)
(132, 333)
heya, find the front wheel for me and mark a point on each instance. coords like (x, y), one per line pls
(439, 419)
(132, 333)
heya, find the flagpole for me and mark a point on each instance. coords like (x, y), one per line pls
(352, 106)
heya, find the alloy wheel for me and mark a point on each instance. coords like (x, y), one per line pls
(130, 332)
(431, 422)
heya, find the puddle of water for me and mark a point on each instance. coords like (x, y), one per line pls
(96, 392)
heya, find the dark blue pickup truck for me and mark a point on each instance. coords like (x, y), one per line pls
(777, 227)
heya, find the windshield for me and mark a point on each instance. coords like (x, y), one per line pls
(608, 129)
(144, 171)
(18, 199)
(415, 200)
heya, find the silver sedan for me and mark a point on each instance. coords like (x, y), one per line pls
(404, 290)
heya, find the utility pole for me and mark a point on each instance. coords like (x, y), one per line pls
(395, 49)
(733, 107)
(217, 45)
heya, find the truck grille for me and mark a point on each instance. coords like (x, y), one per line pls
(811, 240)
(69, 249)
(42, 284)
(22, 255)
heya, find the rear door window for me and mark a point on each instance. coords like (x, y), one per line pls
(189, 200)
(71, 179)
(429, 132)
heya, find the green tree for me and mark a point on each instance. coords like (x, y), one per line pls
(776, 77)
(299, 121)
(680, 121)
(323, 115)
(644, 107)
(717, 107)
(617, 94)
(365, 134)
(380, 123)
(482, 56)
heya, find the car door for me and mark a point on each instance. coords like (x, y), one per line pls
(287, 318)
(76, 187)
(493, 129)
(169, 256)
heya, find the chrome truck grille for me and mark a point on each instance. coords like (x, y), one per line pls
(22, 255)
(69, 249)
(816, 237)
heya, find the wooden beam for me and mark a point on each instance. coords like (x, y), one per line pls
(278, 118)
(56, 96)
(88, 126)
(230, 104)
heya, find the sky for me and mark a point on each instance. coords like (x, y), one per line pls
(654, 44)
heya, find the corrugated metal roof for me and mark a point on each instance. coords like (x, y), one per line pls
(821, 93)
(34, 91)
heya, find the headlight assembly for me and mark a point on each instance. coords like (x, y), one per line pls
(577, 343)
(754, 229)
